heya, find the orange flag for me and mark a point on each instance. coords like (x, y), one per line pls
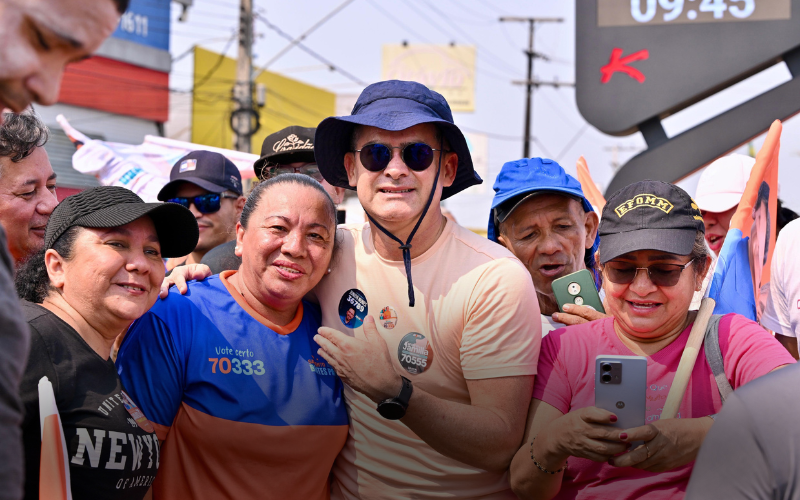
(590, 189)
(757, 213)
(54, 481)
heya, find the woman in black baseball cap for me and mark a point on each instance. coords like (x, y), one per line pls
(653, 258)
(101, 269)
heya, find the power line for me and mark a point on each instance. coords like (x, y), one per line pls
(307, 50)
(572, 141)
(469, 38)
(194, 45)
(510, 138)
(395, 20)
(306, 33)
(529, 83)
(217, 64)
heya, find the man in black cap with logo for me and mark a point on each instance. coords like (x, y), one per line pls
(291, 150)
(210, 186)
(438, 388)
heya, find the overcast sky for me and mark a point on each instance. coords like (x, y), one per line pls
(353, 38)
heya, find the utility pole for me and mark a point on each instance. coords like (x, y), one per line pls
(530, 83)
(244, 116)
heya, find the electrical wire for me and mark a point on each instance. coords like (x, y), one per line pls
(395, 20)
(217, 64)
(306, 33)
(195, 45)
(465, 33)
(310, 52)
(572, 142)
(509, 138)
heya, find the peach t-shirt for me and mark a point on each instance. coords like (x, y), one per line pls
(476, 317)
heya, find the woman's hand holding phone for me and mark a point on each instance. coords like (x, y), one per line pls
(584, 433)
(668, 444)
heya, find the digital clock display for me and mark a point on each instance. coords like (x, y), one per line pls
(648, 12)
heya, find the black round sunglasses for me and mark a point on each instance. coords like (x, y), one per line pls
(417, 156)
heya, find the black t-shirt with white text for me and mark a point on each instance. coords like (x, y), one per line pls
(111, 447)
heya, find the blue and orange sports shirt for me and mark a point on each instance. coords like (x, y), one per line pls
(247, 408)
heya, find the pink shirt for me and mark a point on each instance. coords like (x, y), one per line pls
(566, 381)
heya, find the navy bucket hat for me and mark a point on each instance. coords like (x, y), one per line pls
(392, 105)
(521, 179)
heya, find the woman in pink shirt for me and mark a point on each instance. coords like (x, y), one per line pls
(570, 449)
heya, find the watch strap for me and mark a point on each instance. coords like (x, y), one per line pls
(405, 392)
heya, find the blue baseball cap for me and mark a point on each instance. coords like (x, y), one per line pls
(521, 179)
(392, 105)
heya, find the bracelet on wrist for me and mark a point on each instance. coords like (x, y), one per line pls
(540, 467)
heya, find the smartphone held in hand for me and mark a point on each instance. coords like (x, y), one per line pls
(620, 386)
(577, 288)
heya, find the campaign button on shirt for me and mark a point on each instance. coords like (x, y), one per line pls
(388, 318)
(353, 308)
(415, 353)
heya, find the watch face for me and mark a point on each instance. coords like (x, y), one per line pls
(391, 410)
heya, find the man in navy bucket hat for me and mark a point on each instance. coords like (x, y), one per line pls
(539, 212)
(439, 366)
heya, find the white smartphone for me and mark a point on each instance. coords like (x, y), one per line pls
(620, 386)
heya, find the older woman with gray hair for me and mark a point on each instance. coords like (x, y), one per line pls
(100, 269)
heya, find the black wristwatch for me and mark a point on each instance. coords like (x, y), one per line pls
(395, 408)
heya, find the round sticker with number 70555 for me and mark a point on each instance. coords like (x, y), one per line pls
(415, 353)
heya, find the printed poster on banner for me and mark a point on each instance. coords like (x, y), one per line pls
(742, 274)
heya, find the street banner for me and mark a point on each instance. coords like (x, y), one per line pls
(142, 168)
(741, 278)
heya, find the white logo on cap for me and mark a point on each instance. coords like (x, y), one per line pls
(292, 143)
(235, 181)
(187, 165)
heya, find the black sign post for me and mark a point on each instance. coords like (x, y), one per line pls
(639, 61)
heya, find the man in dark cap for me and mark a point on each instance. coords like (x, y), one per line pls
(291, 150)
(210, 186)
(438, 392)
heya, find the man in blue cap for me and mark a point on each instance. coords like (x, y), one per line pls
(438, 387)
(541, 215)
(209, 185)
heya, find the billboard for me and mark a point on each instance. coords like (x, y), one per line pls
(288, 102)
(447, 69)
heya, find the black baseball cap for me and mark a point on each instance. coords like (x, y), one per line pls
(114, 206)
(649, 215)
(211, 171)
(289, 145)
